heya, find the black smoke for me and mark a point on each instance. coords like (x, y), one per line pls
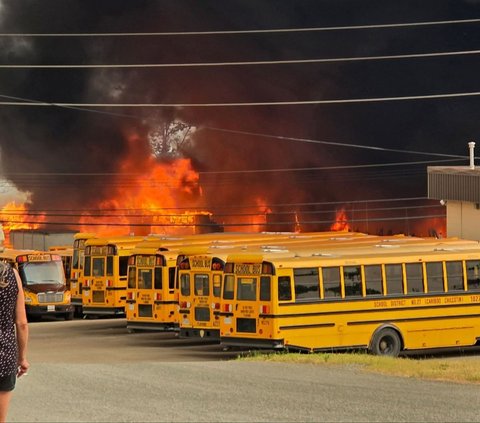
(59, 140)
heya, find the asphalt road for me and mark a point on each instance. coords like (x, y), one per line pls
(94, 371)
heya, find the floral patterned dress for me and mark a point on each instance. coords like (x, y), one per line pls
(8, 342)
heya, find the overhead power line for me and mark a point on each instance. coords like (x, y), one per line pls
(246, 31)
(242, 63)
(241, 104)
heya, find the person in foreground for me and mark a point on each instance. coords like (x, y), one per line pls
(13, 335)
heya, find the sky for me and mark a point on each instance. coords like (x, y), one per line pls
(243, 154)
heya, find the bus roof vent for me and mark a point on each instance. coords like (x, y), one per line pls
(221, 247)
(340, 238)
(387, 246)
(274, 250)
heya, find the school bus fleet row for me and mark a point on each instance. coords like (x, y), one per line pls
(311, 291)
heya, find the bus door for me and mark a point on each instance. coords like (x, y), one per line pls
(43, 280)
(247, 306)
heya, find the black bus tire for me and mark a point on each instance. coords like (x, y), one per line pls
(386, 342)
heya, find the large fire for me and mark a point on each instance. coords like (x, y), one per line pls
(13, 217)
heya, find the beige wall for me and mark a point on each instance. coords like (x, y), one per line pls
(463, 220)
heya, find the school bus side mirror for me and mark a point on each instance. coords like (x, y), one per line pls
(2, 238)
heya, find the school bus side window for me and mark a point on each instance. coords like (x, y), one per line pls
(158, 278)
(88, 266)
(185, 284)
(265, 290)
(110, 266)
(171, 277)
(373, 280)
(284, 288)
(352, 279)
(473, 275)
(454, 275)
(217, 285)
(394, 277)
(132, 270)
(307, 284)
(331, 282)
(414, 273)
(435, 277)
(123, 265)
(228, 287)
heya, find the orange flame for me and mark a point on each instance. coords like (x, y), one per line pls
(14, 217)
(341, 221)
(149, 203)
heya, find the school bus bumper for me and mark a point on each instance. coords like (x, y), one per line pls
(156, 326)
(252, 342)
(207, 334)
(104, 311)
(48, 309)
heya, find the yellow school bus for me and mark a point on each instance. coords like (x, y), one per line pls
(201, 275)
(156, 306)
(200, 278)
(43, 281)
(383, 300)
(76, 272)
(152, 299)
(104, 279)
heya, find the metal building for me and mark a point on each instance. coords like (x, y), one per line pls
(458, 189)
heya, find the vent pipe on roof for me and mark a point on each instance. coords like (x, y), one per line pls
(471, 146)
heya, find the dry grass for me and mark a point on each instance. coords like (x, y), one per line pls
(458, 369)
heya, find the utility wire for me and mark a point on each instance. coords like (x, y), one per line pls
(223, 172)
(245, 104)
(232, 131)
(241, 63)
(246, 31)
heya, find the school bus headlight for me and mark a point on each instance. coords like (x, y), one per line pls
(28, 299)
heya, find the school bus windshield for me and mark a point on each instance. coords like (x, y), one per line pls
(40, 273)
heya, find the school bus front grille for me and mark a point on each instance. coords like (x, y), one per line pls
(202, 314)
(145, 310)
(246, 325)
(50, 297)
(98, 296)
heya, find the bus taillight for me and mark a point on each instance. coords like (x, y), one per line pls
(264, 309)
(109, 283)
(86, 283)
(215, 306)
(227, 308)
(159, 296)
(130, 295)
(184, 304)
